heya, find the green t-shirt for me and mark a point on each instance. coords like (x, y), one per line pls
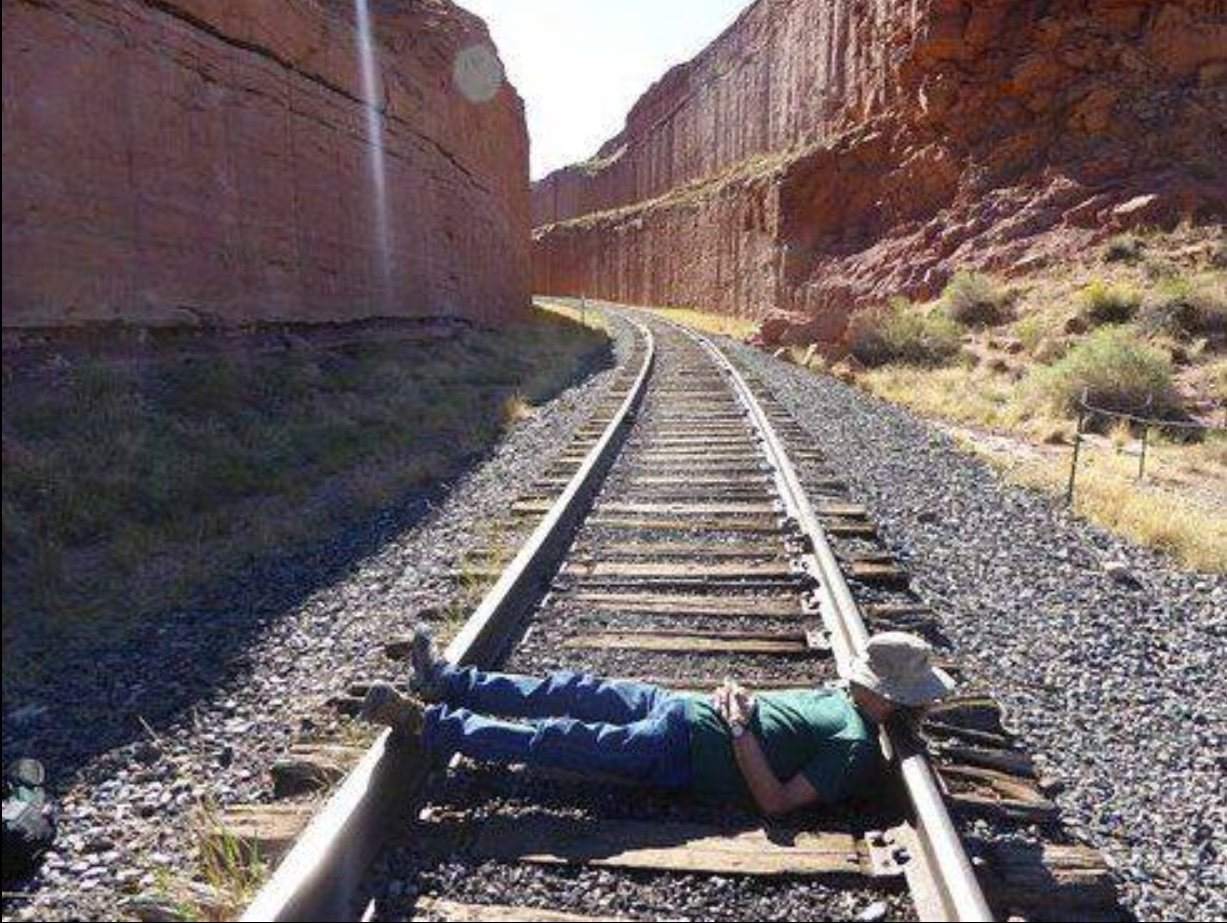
(815, 732)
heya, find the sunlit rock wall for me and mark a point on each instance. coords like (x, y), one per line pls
(202, 162)
(822, 155)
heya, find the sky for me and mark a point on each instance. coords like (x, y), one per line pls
(581, 64)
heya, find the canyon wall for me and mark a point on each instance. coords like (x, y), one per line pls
(784, 73)
(821, 156)
(200, 162)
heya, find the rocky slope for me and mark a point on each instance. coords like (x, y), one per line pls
(185, 161)
(820, 156)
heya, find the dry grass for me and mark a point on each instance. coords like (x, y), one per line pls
(961, 393)
(516, 409)
(739, 328)
(589, 318)
(1151, 514)
(976, 300)
(1027, 373)
(901, 333)
(131, 484)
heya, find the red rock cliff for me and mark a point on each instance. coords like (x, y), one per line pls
(823, 155)
(193, 161)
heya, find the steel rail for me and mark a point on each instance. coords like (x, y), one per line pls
(319, 876)
(945, 886)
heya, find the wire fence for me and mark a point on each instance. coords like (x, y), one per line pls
(1088, 412)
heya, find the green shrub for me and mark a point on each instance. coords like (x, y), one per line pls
(976, 300)
(1123, 248)
(1180, 306)
(1117, 370)
(1102, 303)
(1035, 329)
(900, 332)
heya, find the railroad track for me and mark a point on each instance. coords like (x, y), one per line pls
(689, 533)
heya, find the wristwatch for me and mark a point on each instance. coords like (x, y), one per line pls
(736, 728)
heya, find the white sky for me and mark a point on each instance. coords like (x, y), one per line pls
(581, 64)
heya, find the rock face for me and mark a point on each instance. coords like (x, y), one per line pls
(189, 161)
(822, 155)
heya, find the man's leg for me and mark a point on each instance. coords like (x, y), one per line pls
(652, 751)
(564, 694)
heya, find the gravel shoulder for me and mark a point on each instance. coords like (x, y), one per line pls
(248, 676)
(1113, 678)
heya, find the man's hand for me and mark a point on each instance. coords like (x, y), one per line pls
(773, 797)
(734, 703)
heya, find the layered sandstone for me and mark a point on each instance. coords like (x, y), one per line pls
(190, 161)
(822, 155)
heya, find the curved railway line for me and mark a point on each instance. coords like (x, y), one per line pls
(689, 533)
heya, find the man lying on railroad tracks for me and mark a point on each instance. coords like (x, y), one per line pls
(781, 750)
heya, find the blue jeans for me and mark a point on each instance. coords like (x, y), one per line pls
(578, 723)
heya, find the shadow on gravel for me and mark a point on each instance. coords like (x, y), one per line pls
(104, 693)
(124, 682)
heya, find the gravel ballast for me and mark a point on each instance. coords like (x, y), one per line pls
(248, 676)
(1117, 686)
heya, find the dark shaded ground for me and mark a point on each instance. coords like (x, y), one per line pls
(146, 733)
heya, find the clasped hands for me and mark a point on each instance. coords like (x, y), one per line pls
(734, 704)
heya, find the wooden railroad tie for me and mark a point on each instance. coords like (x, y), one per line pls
(692, 570)
(686, 604)
(782, 644)
(437, 908)
(654, 846)
(734, 525)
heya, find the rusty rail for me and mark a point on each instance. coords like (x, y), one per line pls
(318, 878)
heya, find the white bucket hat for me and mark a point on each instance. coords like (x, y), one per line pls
(896, 665)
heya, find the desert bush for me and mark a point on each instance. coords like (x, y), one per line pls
(1102, 303)
(976, 300)
(900, 332)
(1218, 256)
(1181, 306)
(1123, 248)
(1117, 370)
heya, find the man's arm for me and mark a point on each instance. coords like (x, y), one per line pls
(772, 796)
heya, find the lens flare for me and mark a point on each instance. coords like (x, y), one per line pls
(477, 73)
(376, 163)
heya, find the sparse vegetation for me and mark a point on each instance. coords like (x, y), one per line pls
(232, 870)
(1103, 303)
(1155, 515)
(1116, 370)
(1124, 248)
(1183, 306)
(1171, 348)
(131, 483)
(976, 300)
(739, 328)
(1159, 308)
(903, 333)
